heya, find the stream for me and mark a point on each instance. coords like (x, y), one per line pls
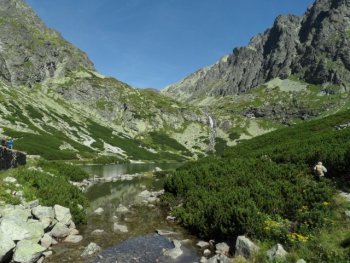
(140, 243)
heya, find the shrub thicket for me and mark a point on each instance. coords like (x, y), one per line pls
(264, 187)
(54, 189)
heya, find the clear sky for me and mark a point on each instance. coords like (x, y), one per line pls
(153, 43)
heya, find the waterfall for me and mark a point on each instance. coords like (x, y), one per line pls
(212, 134)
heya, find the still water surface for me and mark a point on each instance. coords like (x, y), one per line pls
(141, 220)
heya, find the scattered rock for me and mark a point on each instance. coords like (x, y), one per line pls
(245, 247)
(99, 211)
(97, 232)
(73, 231)
(47, 253)
(73, 239)
(202, 244)
(14, 229)
(91, 249)
(222, 248)
(27, 252)
(41, 212)
(122, 209)
(10, 180)
(170, 218)
(165, 232)
(276, 252)
(120, 228)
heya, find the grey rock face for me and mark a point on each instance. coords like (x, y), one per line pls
(314, 47)
(245, 247)
(29, 51)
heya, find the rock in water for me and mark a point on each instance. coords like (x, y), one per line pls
(91, 249)
(175, 252)
(27, 252)
(62, 214)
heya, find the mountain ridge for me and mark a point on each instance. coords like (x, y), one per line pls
(314, 47)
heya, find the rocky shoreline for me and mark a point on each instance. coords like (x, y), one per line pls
(28, 232)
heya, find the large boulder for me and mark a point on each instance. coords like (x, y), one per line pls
(222, 248)
(41, 212)
(14, 229)
(16, 213)
(60, 230)
(27, 252)
(62, 214)
(46, 240)
(245, 247)
(6, 246)
(277, 252)
(36, 230)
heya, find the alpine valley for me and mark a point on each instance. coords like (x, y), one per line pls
(247, 131)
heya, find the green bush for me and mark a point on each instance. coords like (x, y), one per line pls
(53, 190)
(265, 180)
(72, 172)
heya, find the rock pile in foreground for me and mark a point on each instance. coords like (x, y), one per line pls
(28, 232)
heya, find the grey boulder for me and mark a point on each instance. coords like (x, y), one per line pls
(27, 252)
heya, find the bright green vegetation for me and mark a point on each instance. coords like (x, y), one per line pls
(265, 188)
(50, 185)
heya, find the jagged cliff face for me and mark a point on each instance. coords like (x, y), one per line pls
(314, 48)
(29, 51)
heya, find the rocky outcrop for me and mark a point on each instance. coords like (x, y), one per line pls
(29, 51)
(25, 233)
(11, 158)
(314, 47)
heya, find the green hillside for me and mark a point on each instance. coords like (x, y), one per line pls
(265, 188)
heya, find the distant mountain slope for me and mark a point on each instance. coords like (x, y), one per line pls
(56, 105)
(314, 48)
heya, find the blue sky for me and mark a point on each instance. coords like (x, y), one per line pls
(153, 43)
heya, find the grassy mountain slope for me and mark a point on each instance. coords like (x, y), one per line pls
(264, 187)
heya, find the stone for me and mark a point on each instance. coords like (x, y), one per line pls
(97, 232)
(36, 230)
(6, 246)
(245, 247)
(162, 232)
(206, 252)
(222, 248)
(170, 218)
(62, 214)
(72, 225)
(27, 252)
(203, 260)
(73, 239)
(10, 180)
(41, 212)
(202, 244)
(16, 213)
(122, 209)
(175, 252)
(31, 204)
(276, 252)
(73, 231)
(46, 241)
(120, 228)
(99, 211)
(91, 249)
(14, 229)
(60, 230)
(300, 261)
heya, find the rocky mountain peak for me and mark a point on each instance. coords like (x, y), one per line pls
(29, 51)
(314, 48)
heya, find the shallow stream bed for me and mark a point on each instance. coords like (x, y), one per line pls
(141, 220)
